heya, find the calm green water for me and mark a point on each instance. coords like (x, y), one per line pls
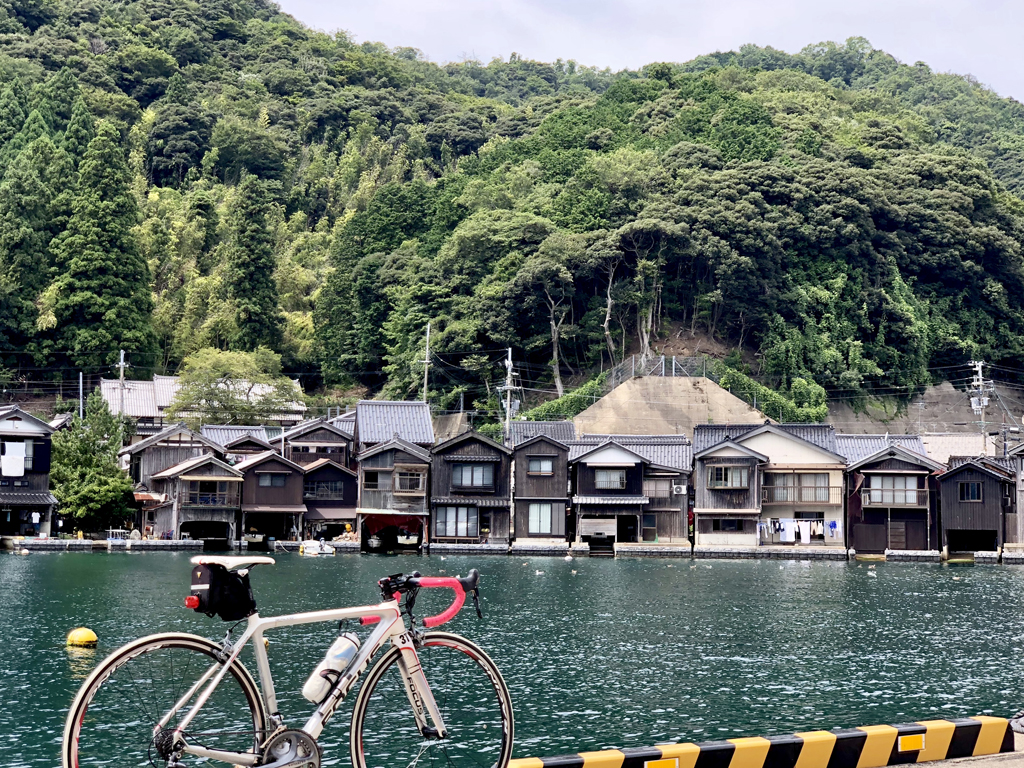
(596, 653)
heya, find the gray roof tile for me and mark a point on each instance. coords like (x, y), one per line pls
(707, 435)
(672, 451)
(521, 431)
(1001, 463)
(378, 421)
(857, 447)
(26, 499)
(222, 434)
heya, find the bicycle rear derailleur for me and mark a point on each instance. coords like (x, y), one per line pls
(291, 749)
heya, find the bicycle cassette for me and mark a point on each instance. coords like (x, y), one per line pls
(291, 749)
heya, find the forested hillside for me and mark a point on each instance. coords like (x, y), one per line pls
(182, 175)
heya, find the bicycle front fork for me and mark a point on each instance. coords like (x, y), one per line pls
(421, 699)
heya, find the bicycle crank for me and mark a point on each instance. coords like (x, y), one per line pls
(291, 749)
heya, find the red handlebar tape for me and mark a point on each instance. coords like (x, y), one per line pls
(454, 608)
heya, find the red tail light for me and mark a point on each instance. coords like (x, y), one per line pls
(192, 601)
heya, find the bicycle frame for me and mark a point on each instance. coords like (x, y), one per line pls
(391, 627)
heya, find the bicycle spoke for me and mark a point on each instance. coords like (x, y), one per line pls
(142, 687)
(473, 709)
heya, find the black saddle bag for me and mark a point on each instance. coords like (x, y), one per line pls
(222, 592)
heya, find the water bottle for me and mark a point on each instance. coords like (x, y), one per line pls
(338, 657)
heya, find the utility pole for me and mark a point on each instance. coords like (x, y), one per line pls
(81, 391)
(120, 410)
(426, 364)
(508, 395)
(980, 391)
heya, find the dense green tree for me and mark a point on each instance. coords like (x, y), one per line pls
(80, 131)
(100, 298)
(85, 477)
(12, 115)
(250, 269)
(177, 141)
(233, 388)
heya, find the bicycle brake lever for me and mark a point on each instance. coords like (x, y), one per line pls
(476, 602)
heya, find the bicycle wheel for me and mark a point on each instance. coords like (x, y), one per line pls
(112, 719)
(470, 695)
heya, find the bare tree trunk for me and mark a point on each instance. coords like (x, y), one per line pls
(608, 304)
(556, 330)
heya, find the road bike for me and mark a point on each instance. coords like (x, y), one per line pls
(174, 700)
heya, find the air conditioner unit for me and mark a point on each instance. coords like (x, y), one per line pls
(679, 490)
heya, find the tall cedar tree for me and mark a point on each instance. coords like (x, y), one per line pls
(30, 216)
(250, 269)
(101, 296)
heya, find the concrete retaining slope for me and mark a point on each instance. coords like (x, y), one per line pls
(872, 746)
(659, 405)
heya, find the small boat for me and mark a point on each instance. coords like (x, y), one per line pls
(313, 548)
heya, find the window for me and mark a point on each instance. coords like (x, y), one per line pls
(324, 489)
(377, 481)
(970, 492)
(657, 489)
(649, 527)
(540, 518)
(410, 482)
(889, 489)
(272, 480)
(21, 483)
(727, 526)
(541, 467)
(786, 487)
(727, 477)
(453, 522)
(473, 476)
(614, 479)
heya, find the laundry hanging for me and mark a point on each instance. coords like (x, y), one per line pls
(805, 532)
(12, 463)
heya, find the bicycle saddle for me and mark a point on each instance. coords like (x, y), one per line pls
(231, 563)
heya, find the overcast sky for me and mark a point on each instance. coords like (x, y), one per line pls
(977, 37)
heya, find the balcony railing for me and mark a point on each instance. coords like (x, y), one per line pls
(664, 502)
(212, 499)
(894, 497)
(796, 494)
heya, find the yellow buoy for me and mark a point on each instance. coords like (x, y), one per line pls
(83, 636)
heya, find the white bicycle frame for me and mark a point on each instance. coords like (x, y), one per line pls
(390, 627)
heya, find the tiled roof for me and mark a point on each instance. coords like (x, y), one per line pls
(139, 398)
(941, 445)
(672, 451)
(521, 431)
(188, 464)
(319, 463)
(396, 444)
(707, 435)
(999, 463)
(377, 421)
(308, 426)
(150, 399)
(175, 429)
(259, 458)
(857, 447)
(26, 499)
(223, 434)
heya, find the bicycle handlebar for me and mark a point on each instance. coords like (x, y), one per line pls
(458, 584)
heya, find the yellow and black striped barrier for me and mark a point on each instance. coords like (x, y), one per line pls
(872, 746)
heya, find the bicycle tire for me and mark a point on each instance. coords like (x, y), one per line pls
(103, 715)
(470, 694)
